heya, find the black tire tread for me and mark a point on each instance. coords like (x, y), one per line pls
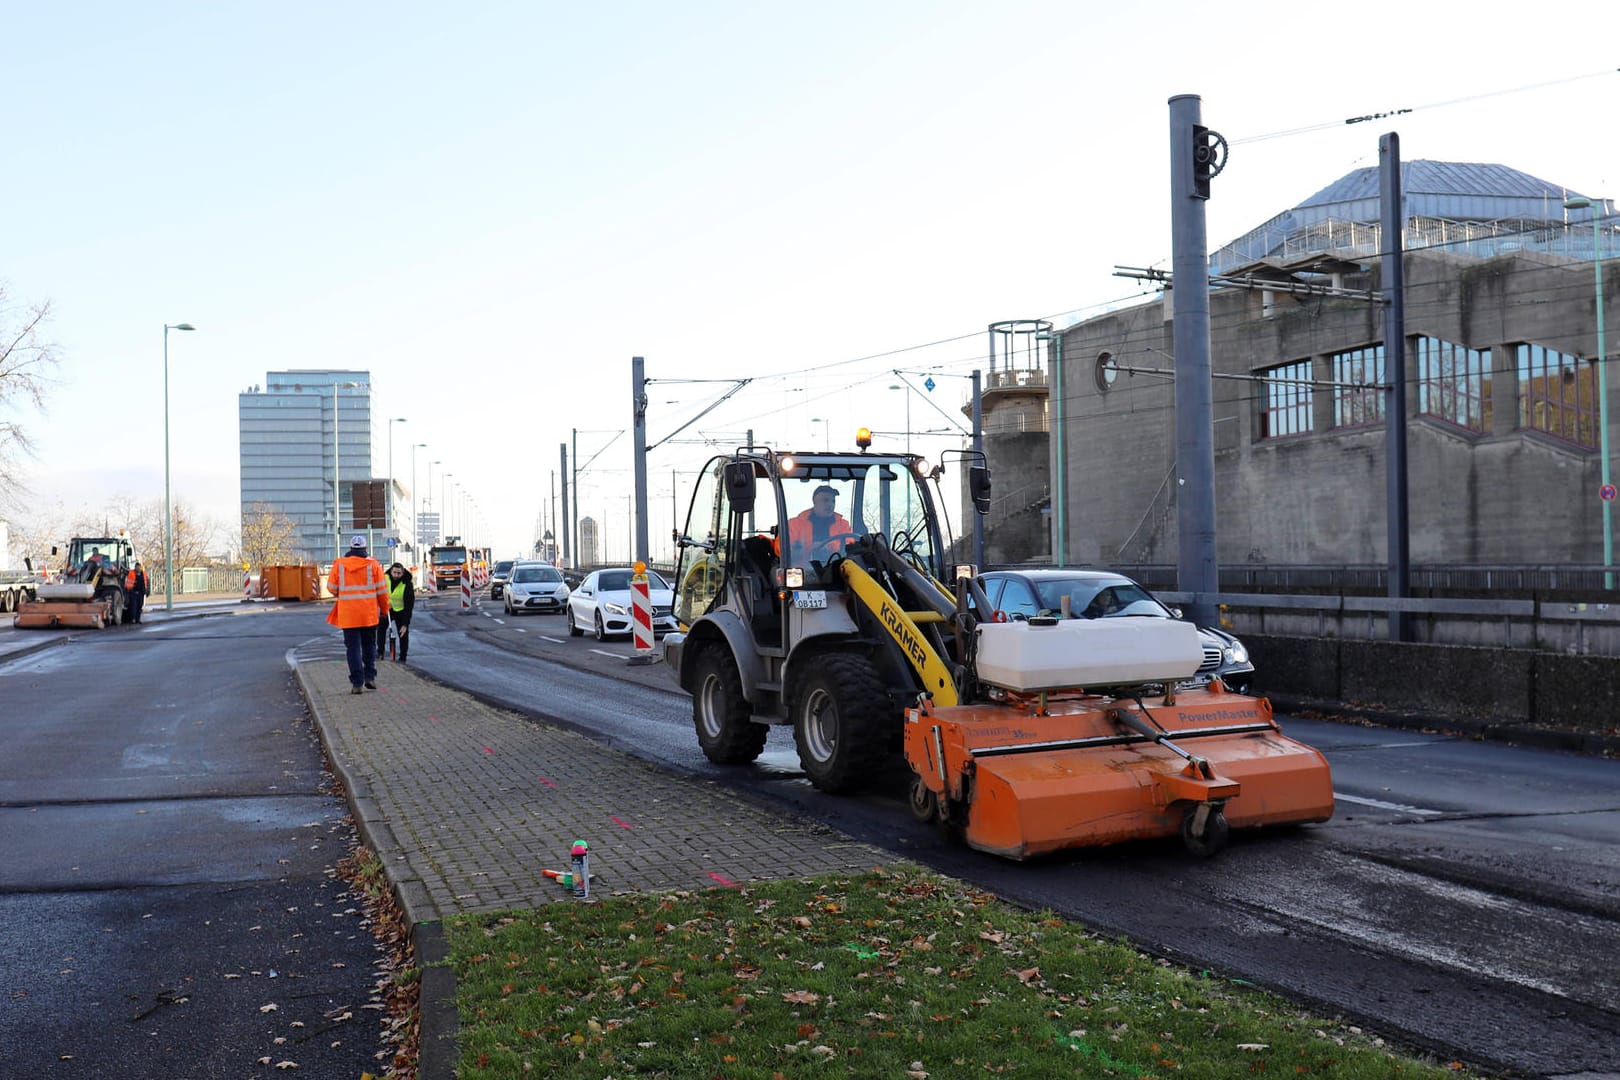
(865, 722)
(741, 740)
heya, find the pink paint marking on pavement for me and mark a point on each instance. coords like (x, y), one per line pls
(727, 882)
(544, 781)
(435, 719)
(620, 822)
(487, 750)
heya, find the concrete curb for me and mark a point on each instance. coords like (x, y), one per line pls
(41, 646)
(437, 995)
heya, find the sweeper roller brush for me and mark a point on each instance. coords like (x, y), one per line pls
(1036, 773)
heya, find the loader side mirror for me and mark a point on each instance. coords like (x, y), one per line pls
(29, 563)
(979, 488)
(740, 486)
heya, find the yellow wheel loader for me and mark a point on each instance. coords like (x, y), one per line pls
(811, 591)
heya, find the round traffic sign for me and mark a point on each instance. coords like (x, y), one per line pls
(1607, 492)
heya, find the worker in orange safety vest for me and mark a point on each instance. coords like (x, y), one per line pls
(136, 589)
(820, 531)
(360, 593)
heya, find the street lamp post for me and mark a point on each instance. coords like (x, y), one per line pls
(168, 503)
(906, 390)
(416, 507)
(1602, 391)
(388, 496)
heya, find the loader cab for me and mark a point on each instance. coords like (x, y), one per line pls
(757, 516)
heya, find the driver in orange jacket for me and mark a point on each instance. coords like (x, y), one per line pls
(360, 590)
(820, 531)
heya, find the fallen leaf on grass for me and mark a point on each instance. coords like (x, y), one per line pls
(801, 997)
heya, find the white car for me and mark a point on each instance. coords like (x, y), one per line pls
(601, 603)
(534, 586)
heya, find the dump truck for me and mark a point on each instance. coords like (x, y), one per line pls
(811, 591)
(446, 561)
(90, 590)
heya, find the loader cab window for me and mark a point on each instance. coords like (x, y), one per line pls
(830, 503)
(701, 564)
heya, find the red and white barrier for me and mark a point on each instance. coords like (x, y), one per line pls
(247, 585)
(641, 615)
(466, 590)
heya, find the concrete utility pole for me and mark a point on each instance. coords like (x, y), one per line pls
(567, 546)
(638, 431)
(1192, 164)
(978, 447)
(1392, 215)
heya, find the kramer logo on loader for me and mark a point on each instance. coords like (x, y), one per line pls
(902, 634)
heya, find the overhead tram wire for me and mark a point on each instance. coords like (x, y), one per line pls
(1368, 117)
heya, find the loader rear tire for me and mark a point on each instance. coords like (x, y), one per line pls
(720, 712)
(842, 723)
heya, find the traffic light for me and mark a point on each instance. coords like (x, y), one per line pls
(1203, 155)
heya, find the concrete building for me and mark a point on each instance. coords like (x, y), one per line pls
(289, 461)
(1503, 437)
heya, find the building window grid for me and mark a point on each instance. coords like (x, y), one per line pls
(1454, 383)
(1354, 407)
(1558, 394)
(1288, 401)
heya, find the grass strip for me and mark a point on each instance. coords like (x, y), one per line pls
(897, 972)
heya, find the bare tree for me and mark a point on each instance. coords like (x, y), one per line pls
(269, 537)
(26, 361)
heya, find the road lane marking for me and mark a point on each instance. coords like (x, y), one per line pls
(1380, 804)
(604, 652)
(553, 640)
(521, 630)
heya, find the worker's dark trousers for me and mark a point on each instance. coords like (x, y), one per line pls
(404, 637)
(136, 603)
(360, 646)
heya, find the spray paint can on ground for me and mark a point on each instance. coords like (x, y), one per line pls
(581, 854)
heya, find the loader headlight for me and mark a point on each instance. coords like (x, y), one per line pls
(787, 464)
(1235, 653)
(964, 571)
(922, 468)
(793, 577)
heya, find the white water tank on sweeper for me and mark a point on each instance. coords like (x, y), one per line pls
(1058, 654)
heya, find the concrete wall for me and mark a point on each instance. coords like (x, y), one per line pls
(1447, 682)
(1501, 495)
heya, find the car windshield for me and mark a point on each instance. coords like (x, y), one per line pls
(619, 581)
(1098, 598)
(450, 556)
(504, 567)
(530, 574)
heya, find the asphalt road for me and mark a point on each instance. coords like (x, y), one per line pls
(168, 906)
(1465, 898)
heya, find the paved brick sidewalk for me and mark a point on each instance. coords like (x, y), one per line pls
(468, 803)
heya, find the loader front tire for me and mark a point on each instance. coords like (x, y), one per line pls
(720, 712)
(841, 722)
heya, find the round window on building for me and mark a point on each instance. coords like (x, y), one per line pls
(1107, 371)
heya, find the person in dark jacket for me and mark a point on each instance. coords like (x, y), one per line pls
(136, 589)
(401, 602)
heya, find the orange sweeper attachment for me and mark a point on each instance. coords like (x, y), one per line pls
(1086, 740)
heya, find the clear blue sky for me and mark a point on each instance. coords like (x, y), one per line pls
(493, 206)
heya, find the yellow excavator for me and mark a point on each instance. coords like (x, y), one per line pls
(90, 592)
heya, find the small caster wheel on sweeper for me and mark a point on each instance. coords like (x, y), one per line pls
(1211, 838)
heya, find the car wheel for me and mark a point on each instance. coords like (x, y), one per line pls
(506, 602)
(573, 627)
(601, 631)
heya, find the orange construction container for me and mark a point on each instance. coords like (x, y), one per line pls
(290, 583)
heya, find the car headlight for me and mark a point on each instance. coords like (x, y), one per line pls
(616, 609)
(1235, 653)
